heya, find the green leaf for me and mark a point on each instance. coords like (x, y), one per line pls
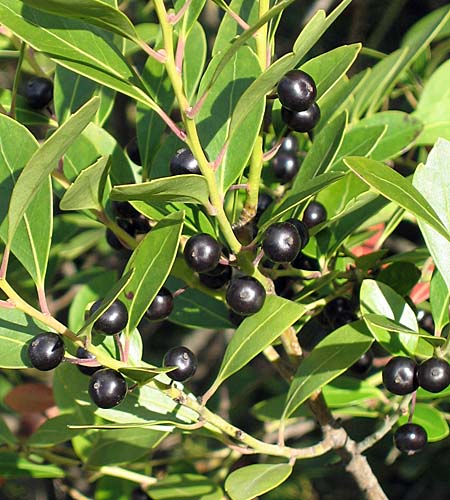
(32, 243)
(439, 300)
(113, 488)
(151, 261)
(53, 431)
(6, 436)
(431, 419)
(256, 333)
(91, 11)
(329, 359)
(248, 482)
(191, 15)
(213, 119)
(345, 391)
(401, 276)
(188, 188)
(43, 162)
(194, 60)
(13, 465)
(88, 189)
(431, 181)
(16, 331)
(142, 374)
(322, 153)
(185, 486)
(378, 298)
(396, 188)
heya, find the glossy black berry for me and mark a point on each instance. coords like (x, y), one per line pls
(161, 307)
(113, 241)
(39, 92)
(217, 278)
(139, 494)
(281, 242)
(426, 321)
(235, 318)
(285, 166)
(314, 214)
(113, 320)
(202, 253)
(107, 388)
(363, 365)
(245, 295)
(434, 375)
(301, 121)
(297, 90)
(289, 144)
(410, 438)
(87, 370)
(46, 351)
(305, 263)
(264, 201)
(302, 231)
(337, 307)
(132, 149)
(184, 163)
(400, 376)
(140, 225)
(185, 361)
(124, 209)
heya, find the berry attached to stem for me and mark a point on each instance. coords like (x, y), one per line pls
(46, 351)
(433, 375)
(410, 438)
(245, 295)
(400, 376)
(113, 320)
(107, 388)
(281, 242)
(297, 90)
(184, 360)
(202, 253)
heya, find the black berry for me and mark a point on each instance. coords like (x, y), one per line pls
(202, 253)
(410, 438)
(87, 370)
(434, 375)
(264, 200)
(124, 209)
(185, 361)
(217, 278)
(281, 242)
(400, 376)
(301, 121)
(46, 351)
(297, 90)
(107, 388)
(305, 263)
(285, 166)
(184, 163)
(426, 321)
(235, 318)
(245, 295)
(39, 92)
(133, 152)
(113, 320)
(289, 144)
(314, 214)
(337, 307)
(161, 307)
(140, 225)
(302, 231)
(363, 365)
(139, 494)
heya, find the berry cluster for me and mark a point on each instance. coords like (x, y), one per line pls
(297, 93)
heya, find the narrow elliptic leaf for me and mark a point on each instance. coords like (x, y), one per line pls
(32, 243)
(44, 161)
(329, 359)
(142, 374)
(249, 482)
(396, 188)
(256, 333)
(53, 431)
(431, 419)
(16, 331)
(379, 299)
(431, 181)
(185, 486)
(151, 262)
(91, 11)
(14, 465)
(439, 300)
(88, 188)
(191, 15)
(6, 436)
(188, 188)
(322, 153)
(194, 60)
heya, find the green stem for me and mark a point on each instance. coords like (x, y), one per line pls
(145, 481)
(116, 229)
(12, 109)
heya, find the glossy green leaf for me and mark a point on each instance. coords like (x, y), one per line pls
(248, 482)
(431, 419)
(396, 188)
(431, 181)
(192, 14)
(188, 188)
(322, 153)
(185, 486)
(142, 374)
(88, 189)
(439, 300)
(16, 331)
(91, 11)
(401, 276)
(256, 333)
(151, 261)
(194, 60)
(32, 243)
(213, 119)
(6, 436)
(378, 298)
(53, 431)
(329, 359)
(345, 391)
(43, 162)
(13, 465)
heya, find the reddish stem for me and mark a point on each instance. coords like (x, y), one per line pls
(174, 18)
(220, 157)
(119, 345)
(43, 301)
(235, 187)
(159, 56)
(6, 305)
(412, 406)
(272, 152)
(181, 134)
(179, 291)
(191, 112)
(179, 56)
(4, 265)
(82, 362)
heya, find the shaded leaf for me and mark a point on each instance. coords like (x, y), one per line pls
(439, 300)
(185, 486)
(53, 431)
(12, 466)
